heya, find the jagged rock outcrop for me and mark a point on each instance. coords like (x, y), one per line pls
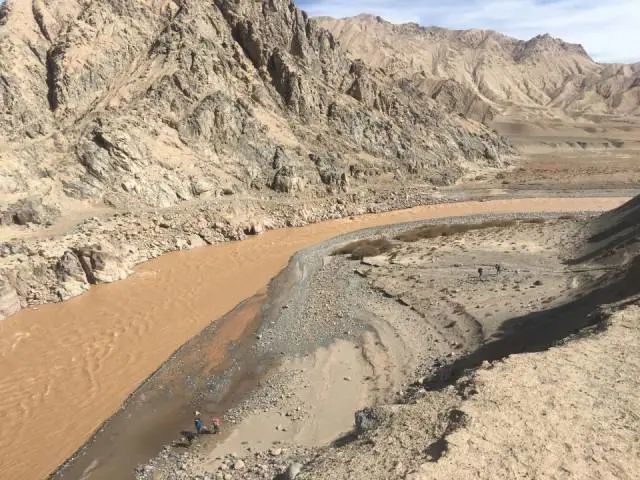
(481, 73)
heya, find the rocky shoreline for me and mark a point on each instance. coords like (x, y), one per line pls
(446, 423)
(312, 317)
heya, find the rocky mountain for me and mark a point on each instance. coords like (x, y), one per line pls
(160, 101)
(136, 106)
(483, 73)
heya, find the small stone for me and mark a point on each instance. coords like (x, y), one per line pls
(293, 471)
(238, 465)
(275, 452)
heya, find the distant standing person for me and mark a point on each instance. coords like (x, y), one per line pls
(198, 422)
(480, 271)
(498, 268)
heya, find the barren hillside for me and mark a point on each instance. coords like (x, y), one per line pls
(483, 73)
(157, 102)
(128, 106)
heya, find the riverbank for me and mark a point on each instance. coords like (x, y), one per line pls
(391, 323)
(85, 356)
(551, 297)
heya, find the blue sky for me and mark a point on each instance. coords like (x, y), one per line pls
(608, 29)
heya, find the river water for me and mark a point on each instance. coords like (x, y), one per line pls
(65, 368)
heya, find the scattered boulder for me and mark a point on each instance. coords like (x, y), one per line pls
(100, 265)
(201, 186)
(376, 261)
(29, 211)
(196, 241)
(366, 419)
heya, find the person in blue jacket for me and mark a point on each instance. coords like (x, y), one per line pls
(198, 422)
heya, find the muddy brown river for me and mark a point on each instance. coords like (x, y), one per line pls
(65, 368)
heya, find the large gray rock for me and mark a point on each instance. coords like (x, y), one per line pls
(29, 210)
(9, 300)
(101, 265)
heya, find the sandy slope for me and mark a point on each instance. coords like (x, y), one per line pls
(566, 413)
(571, 412)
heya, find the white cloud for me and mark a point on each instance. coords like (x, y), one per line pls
(609, 30)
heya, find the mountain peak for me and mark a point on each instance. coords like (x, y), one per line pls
(546, 44)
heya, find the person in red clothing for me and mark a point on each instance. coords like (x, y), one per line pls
(215, 424)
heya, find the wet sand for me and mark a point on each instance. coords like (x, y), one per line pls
(67, 367)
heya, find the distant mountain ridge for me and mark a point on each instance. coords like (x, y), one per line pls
(483, 73)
